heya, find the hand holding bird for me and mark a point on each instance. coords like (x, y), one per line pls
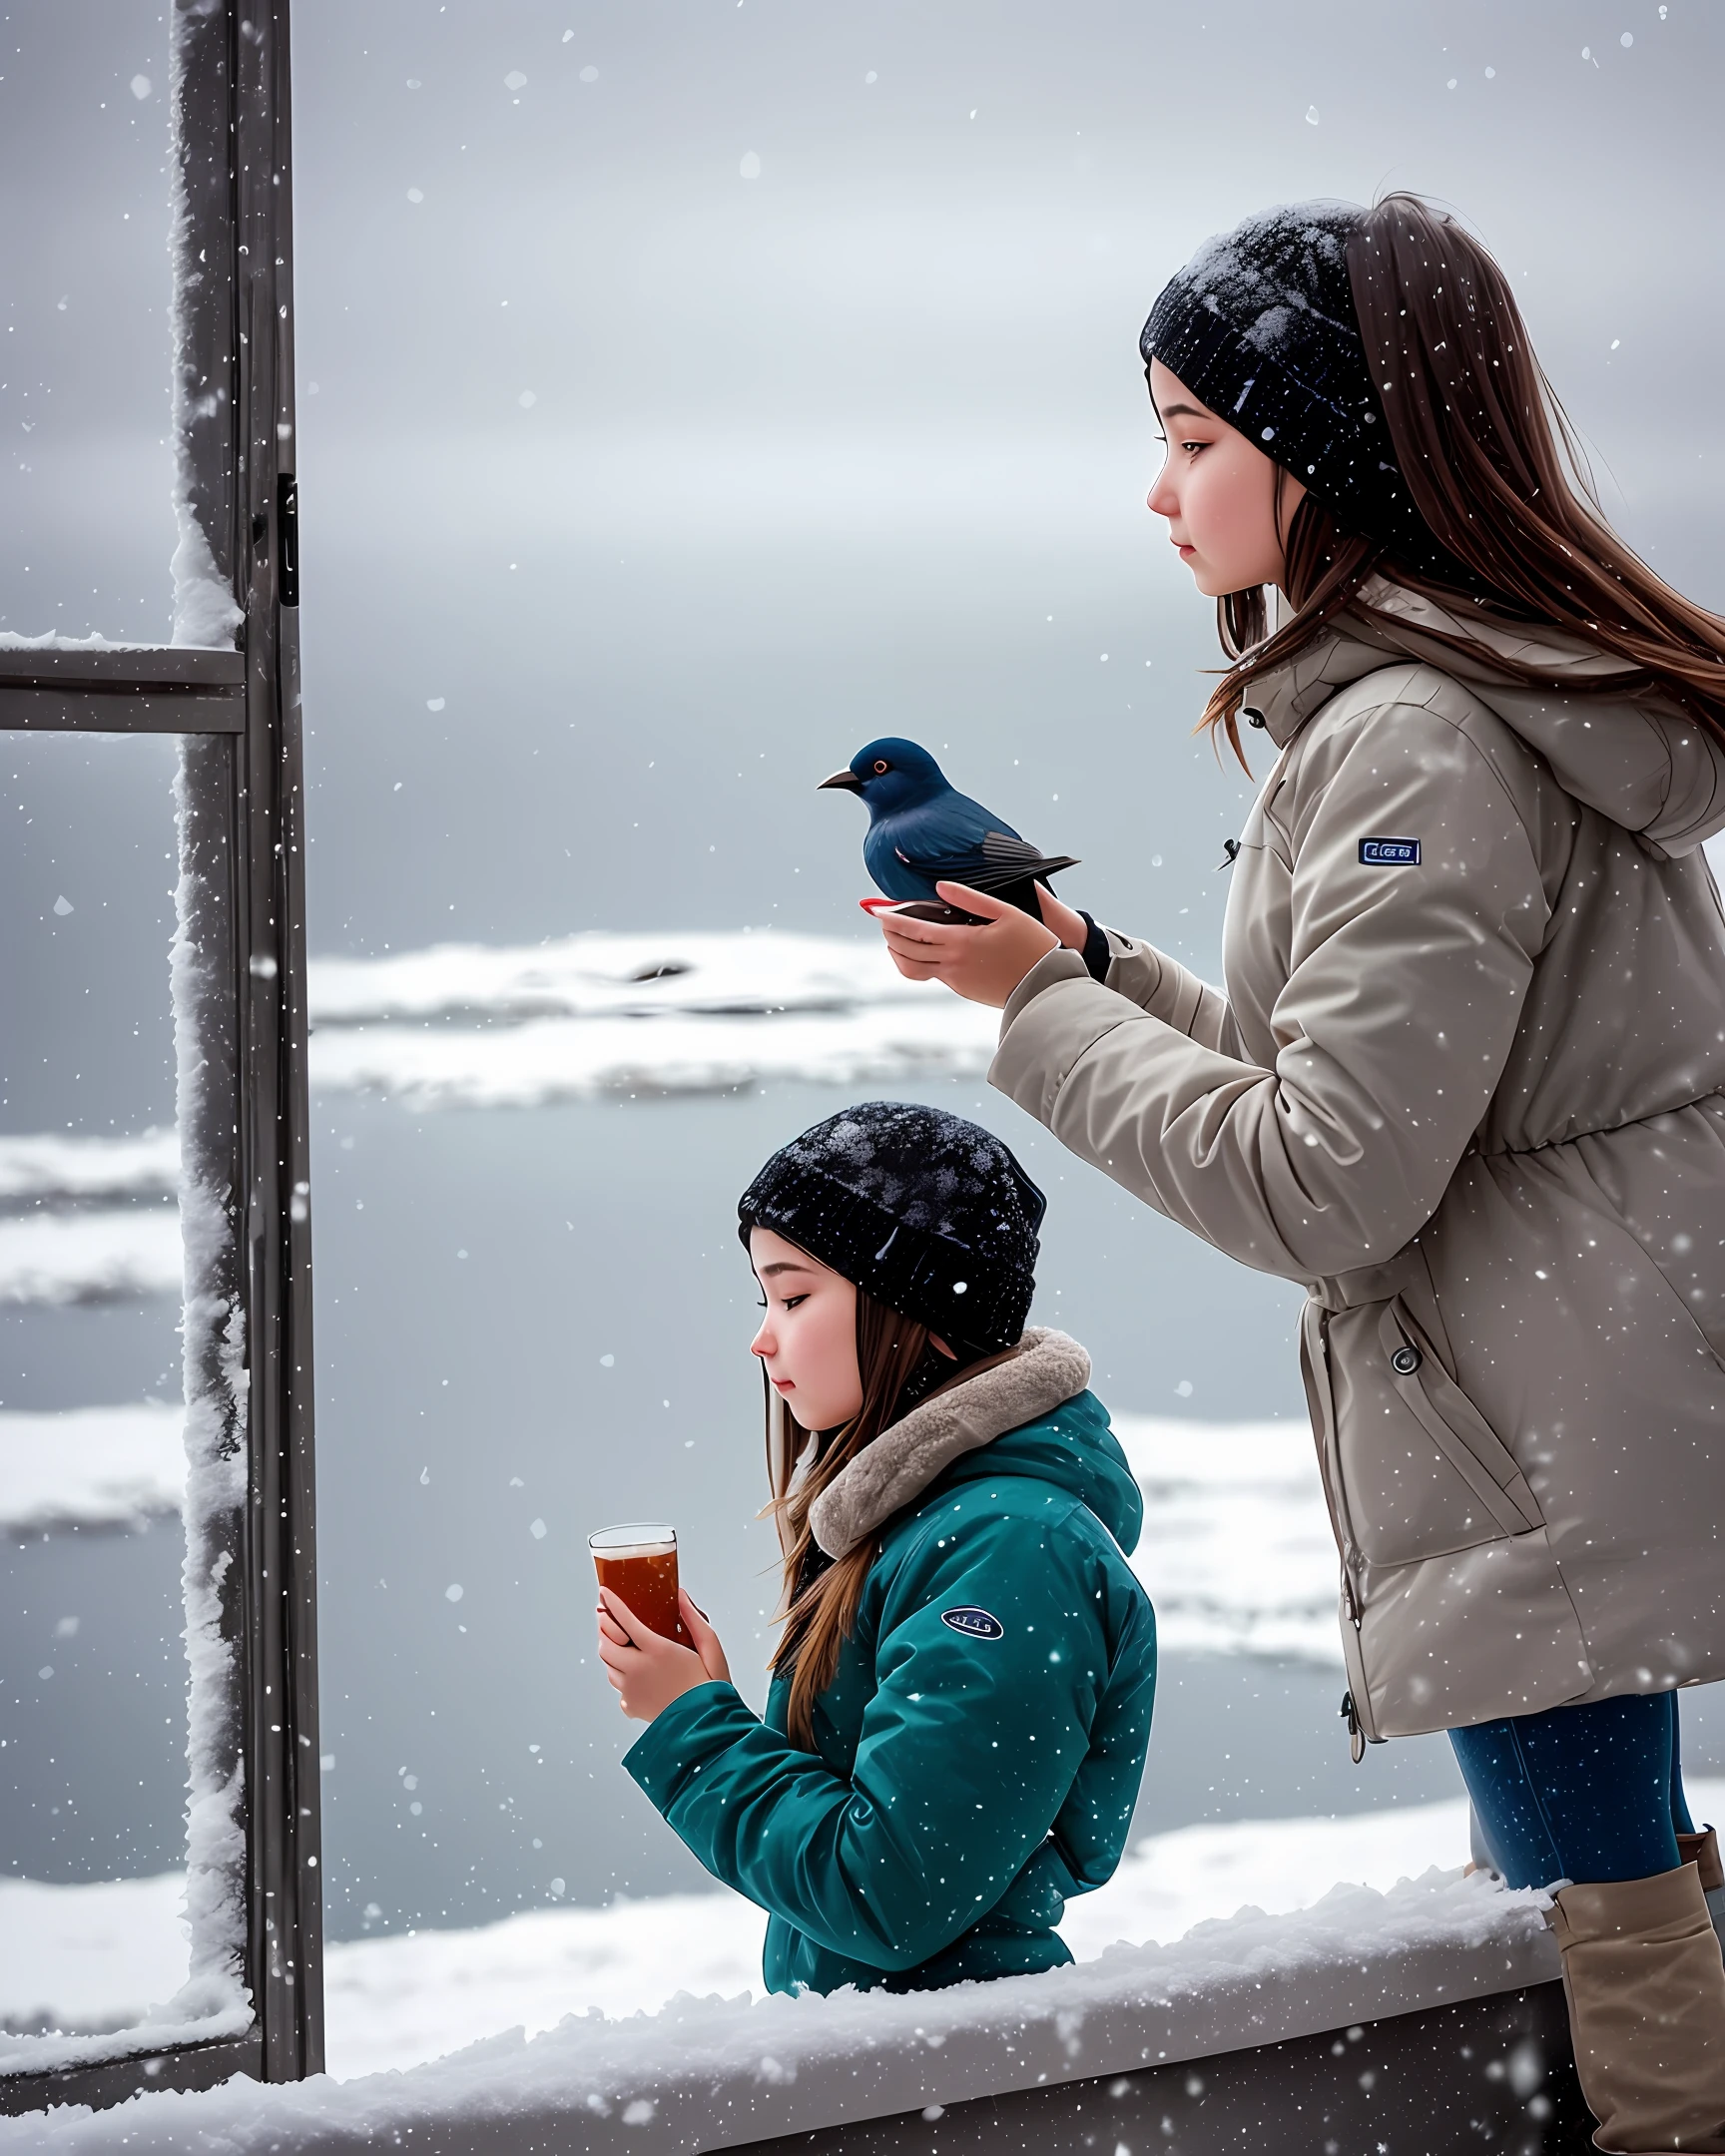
(927, 841)
(986, 963)
(922, 828)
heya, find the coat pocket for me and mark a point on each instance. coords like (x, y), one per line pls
(1421, 1474)
(1454, 1607)
(1472, 1635)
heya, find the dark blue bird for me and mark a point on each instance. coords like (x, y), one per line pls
(922, 830)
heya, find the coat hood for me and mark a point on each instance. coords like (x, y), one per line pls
(1029, 1414)
(1635, 756)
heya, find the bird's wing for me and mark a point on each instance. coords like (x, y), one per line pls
(999, 860)
(891, 872)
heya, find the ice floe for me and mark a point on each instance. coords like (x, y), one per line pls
(96, 1255)
(91, 1466)
(46, 1164)
(473, 1025)
(1237, 1551)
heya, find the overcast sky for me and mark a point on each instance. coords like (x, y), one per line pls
(688, 390)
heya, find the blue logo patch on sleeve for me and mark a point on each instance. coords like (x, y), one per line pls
(973, 1623)
(1389, 853)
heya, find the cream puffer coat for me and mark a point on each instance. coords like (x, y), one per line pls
(1467, 1083)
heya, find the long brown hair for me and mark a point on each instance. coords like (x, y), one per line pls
(821, 1599)
(1494, 469)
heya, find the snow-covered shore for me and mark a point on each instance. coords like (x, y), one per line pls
(86, 1955)
(82, 1955)
(704, 2073)
(393, 2002)
(707, 2068)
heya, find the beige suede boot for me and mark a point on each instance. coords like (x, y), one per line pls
(1703, 1851)
(1646, 1992)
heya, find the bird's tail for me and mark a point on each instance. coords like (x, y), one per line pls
(1016, 884)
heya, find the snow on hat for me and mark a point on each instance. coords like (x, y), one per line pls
(930, 1214)
(1260, 326)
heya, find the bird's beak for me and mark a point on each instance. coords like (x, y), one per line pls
(845, 778)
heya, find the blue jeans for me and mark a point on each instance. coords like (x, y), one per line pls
(1591, 1792)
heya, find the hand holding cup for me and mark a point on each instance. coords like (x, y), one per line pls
(647, 1622)
(645, 1670)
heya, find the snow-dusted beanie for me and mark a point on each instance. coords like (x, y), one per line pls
(928, 1213)
(1260, 326)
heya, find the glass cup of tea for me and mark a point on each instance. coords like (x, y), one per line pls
(638, 1562)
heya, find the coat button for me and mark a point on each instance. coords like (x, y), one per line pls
(1405, 1360)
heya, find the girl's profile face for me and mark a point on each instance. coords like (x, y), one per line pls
(1220, 494)
(807, 1339)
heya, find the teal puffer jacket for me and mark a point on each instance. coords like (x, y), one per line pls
(980, 1746)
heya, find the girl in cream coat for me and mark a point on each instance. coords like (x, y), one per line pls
(1468, 1079)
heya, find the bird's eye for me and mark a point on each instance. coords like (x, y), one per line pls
(880, 764)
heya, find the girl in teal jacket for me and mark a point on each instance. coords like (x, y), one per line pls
(961, 1696)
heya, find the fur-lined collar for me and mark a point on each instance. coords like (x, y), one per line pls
(1043, 1372)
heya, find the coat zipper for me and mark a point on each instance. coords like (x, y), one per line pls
(1356, 1698)
(1359, 1736)
(1350, 1712)
(1356, 1735)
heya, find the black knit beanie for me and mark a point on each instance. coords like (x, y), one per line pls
(1260, 326)
(930, 1214)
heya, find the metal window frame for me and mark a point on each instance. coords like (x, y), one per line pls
(239, 713)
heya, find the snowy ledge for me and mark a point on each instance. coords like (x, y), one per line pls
(711, 2074)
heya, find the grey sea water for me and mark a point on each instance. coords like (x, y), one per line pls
(531, 1323)
(475, 1272)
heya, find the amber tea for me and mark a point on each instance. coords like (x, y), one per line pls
(638, 1562)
